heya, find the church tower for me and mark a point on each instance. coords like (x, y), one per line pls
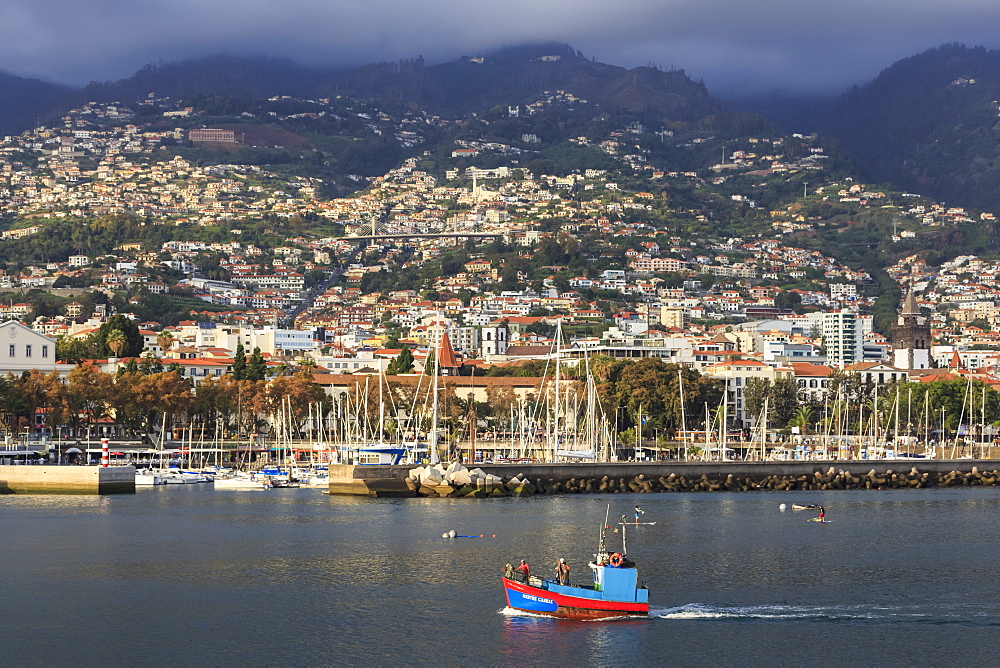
(911, 337)
(493, 340)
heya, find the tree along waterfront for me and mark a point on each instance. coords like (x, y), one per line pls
(646, 402)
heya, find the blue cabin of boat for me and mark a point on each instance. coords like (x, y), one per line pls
(619, 584)
(610, 584)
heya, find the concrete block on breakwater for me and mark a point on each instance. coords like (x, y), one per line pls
(646, 477)
(34, 479)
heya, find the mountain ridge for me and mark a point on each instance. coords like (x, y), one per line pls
(513, 75)
(928, 122)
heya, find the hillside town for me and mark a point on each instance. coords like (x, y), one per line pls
(592, 263)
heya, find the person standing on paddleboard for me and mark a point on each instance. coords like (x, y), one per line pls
(638, 511)
(822, 514)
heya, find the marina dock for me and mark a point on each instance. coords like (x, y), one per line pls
(27, 479)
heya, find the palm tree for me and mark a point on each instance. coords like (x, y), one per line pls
(116, 341)
(165, 340)
(801, 418)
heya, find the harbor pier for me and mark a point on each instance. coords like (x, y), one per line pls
(619, 477)
(35, 479)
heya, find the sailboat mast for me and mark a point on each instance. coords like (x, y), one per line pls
(982, 422)
(896, 410)
(708, 428)
(381, 410)
(163, 438)
(927, 417)
(638, 433)
(909, 414)
(763, 431)
(432, 441)
(724, 429)
(555, 417)
(684, 435)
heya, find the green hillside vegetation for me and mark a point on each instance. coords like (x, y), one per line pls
(928, 123)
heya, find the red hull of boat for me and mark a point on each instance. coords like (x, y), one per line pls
(569, 607)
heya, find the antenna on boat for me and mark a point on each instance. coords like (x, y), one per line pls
(607, 516)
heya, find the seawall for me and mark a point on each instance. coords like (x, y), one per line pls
(67, 480)
(679, 476)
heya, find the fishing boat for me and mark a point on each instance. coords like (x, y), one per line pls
(614, 593)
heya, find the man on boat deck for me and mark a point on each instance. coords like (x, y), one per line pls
(524, 569)
(562, 572)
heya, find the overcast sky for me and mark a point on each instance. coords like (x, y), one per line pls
(734, 45)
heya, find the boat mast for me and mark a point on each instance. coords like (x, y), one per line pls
(432, 441)
(638, 435)
(708, 427)
(680, 383)
(961, 416)
(190, 443)
(982, 423)
(555, 416)
(861, 425)
(604, 527)
(724, 429)
(163, 438)
(927, 417)
(826, 425)
(592, 430)
(763, 431)
(909, 415)
(381, 411)
(896, 410)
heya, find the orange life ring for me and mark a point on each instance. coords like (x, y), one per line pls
(615, 560)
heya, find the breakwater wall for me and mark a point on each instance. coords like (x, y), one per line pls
(647, 477)
(67, 480)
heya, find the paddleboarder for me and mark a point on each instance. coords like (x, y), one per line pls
(822, 514)
(638, 511)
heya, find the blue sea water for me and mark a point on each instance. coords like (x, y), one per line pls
(186, 575)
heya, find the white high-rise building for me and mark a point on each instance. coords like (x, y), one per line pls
(843, 334)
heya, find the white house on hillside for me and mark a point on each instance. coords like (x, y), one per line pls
(23, 349)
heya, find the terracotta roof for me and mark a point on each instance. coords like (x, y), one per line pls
(346, 379)
(738, 363)
(528, 351)
(932, 377)
(810, 369)
(445, 353)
